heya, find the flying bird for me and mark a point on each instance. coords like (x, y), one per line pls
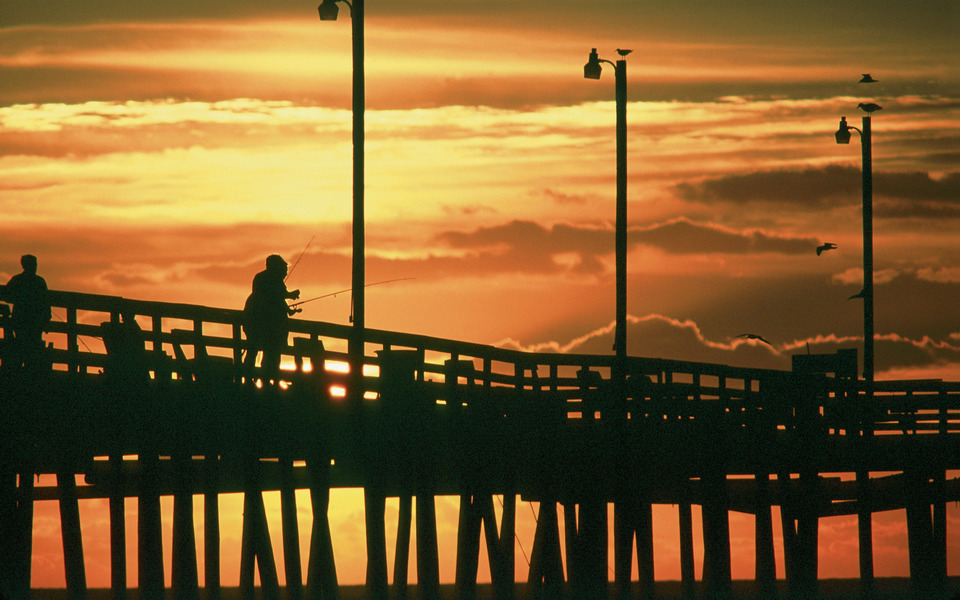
(867, 79)
(860, 294)
(753, 336)
(869, 107)
(826, 246)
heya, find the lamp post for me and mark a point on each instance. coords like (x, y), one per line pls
(328, 10)
(864, 511)
(632, 516)
(374, 500)
(592, 71)
(843, 137)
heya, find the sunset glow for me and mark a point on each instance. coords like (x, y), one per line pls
(162, 152)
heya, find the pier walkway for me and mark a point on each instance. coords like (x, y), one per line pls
(165, 408)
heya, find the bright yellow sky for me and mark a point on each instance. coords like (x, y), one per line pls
(164, 154)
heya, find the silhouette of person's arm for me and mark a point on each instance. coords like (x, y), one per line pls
(292, 295)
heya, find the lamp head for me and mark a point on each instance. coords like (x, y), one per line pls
(592, 69)
(328, 10)
(867, 79)
(843, 133)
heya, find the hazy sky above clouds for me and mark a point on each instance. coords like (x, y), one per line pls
(160, 150)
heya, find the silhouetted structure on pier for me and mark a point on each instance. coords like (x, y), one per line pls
(166, 410)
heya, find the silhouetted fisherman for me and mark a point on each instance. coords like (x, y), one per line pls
(124, 342)
(27, 291)
(265, 318)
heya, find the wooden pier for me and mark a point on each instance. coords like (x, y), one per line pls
(165, 409)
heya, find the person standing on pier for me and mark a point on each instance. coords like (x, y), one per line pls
(27, 291)
(265, 318)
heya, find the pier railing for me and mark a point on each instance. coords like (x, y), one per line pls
(179, 337)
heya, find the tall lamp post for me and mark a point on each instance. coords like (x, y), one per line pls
(631, 515)
(374, 501)
(843, 137)
(864, 512)
(592, 70)
(328, 10)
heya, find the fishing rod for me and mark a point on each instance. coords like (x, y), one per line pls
(297, 262)
(338, 292)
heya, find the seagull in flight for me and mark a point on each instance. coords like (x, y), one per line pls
(753, 336)
(869, 107)
(826, 246)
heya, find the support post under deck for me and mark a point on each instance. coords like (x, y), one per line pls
(687, 570)
(545, 579)
(72, 539)
(322, 581)
(290, 531)
(184, 567)
(766, 567)
(716, 537)
(211, 528)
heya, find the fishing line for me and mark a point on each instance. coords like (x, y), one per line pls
(338, 292)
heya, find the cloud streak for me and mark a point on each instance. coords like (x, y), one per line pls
(899, 195)
(684, 340)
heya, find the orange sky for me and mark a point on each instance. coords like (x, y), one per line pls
(161, 152)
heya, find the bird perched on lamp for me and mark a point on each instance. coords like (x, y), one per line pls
(869, 107)
(826, 246)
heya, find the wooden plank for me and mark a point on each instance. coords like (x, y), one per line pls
(374, 510)
(266, 564)
(468, 546)
(401, 559)
(321, 568)
(16, 531)
(716, 538)
(765, 572)
(865, 534)
(624, 529)
(118, 537)
(185, 577)
(688, 575)
(645, 558)
(545, 578)
(428, 560)
(150, 540)
(290, 531)
(72, 539)
(503, 570)
(211, 528)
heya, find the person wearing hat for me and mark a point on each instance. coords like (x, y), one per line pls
(265, 318)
